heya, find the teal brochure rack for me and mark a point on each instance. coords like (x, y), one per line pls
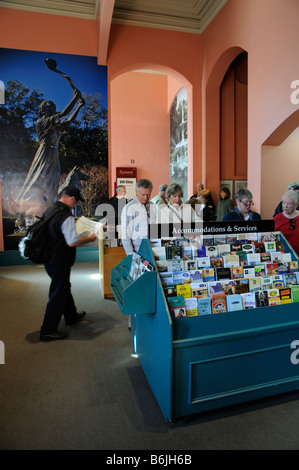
(206, 362)
(137, 296)
(151, 325)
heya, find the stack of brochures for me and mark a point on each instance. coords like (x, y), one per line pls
(226, 273)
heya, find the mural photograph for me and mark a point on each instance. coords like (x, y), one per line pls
(179, 141)
(54, 132)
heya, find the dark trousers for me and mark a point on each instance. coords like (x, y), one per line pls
(60, 301)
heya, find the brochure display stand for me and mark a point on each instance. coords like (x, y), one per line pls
(204, 362)
(137, 296)
(108, 258)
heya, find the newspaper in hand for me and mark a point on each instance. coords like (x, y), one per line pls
(86, 227)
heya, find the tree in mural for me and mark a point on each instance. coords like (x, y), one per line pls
(17, 126)
(178, 142)
(17, 134)
(87, 143)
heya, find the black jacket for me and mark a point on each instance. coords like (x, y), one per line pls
(62, 253)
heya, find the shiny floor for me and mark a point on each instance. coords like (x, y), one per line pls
(88, 392)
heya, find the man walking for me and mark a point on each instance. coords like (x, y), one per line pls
(63, 240)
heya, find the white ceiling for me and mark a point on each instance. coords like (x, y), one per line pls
(181, 15)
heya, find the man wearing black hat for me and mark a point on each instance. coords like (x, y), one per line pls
(64, 240)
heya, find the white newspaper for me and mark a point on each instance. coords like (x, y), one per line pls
(86, 227)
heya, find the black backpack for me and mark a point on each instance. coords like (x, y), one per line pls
(35, 246)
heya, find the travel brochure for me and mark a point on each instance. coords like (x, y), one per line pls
(226, 273)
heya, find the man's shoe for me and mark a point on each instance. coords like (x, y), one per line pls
(53, 336)
(78, 318)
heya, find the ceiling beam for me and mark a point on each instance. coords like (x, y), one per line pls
(104, 19)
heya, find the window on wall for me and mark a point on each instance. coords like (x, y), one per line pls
(179, 141)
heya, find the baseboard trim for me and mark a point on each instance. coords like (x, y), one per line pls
(13, 257)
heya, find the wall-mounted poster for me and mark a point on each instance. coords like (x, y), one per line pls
(53, 131)
(240, 184)
(179, 141)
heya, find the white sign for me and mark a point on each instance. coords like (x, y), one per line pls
(130, 184)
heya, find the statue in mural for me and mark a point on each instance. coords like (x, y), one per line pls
(40, 188)
(74, 178)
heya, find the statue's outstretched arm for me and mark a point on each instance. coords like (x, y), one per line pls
(69, 107)
(67, 122)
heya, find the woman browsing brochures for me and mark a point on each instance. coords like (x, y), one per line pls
(175, 211)
(243, 211)
(287, 222)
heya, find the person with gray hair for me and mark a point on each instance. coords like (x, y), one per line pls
(242, 210)
(118, 202)
(160, 198)
(199, 187)
(176, 211)
(295, 187)
(120, 190)
(136, 217)
(287, 221)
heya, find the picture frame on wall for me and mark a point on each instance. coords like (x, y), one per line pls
(240, 184)
(229, 184)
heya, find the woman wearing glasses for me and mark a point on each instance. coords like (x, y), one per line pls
(243, 211)
(287, 222)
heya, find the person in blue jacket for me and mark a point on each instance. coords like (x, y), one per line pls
(243, 211)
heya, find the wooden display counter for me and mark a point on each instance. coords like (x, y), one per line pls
(108, 258)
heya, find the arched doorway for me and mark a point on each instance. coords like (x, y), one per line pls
(279, 163)
(139, 121)
(234, 123)
(216, 135)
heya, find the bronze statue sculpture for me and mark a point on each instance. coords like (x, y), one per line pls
(40, 188)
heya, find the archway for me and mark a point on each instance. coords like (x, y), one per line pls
(211, 106)
(279, 163)
(139, 126)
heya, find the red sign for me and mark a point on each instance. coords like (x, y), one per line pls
(127, 177)
(126, 172)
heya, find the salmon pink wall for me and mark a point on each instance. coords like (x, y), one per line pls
(268, 31)
(139, 107)
(139, 126)
(50, 33)
(278, 174)
(178, 56)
